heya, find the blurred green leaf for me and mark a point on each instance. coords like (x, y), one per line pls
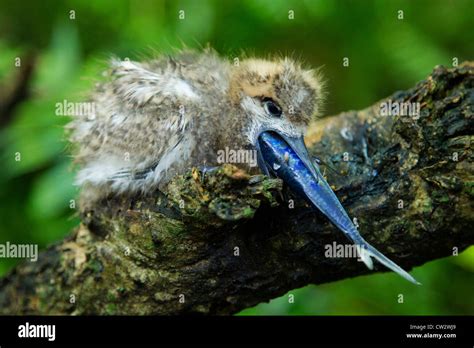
(52, 192)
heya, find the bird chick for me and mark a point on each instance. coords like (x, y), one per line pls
(159, 118)
(156, 119)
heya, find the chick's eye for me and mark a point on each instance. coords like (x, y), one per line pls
(271, 107)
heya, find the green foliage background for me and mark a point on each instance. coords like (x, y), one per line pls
(386, 54)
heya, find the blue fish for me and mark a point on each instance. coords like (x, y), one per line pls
(288, 159)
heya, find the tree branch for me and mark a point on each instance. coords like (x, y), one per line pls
(407, 180)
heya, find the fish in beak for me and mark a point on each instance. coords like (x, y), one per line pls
(288, 159)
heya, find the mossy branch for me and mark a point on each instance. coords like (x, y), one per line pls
(227, 241)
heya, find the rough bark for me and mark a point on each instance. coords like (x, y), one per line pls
(176, 253)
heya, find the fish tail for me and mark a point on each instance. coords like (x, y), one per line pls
(364, 255)
(368, 251)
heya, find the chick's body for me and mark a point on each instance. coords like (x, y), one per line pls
(156, 119)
